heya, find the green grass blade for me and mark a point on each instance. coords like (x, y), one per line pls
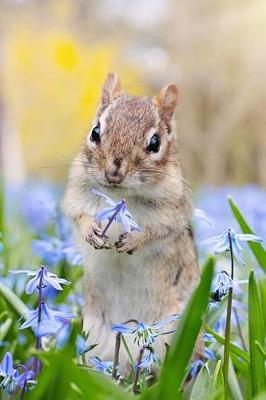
(4, 328)
(261, 396)
(257, 248)
(217, 386)
(256, 334)
(55, 380)
(61, 375)
(261, 349)
(233, 348)
(201, 387)
(234, 384)
(96, 386)
(262, 294)
(174, 370)
(13, 300)
(149, 393)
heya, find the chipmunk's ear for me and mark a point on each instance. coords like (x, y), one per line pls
(166, 102)
(111, 89)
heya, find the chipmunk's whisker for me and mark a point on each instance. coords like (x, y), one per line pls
(149, 170)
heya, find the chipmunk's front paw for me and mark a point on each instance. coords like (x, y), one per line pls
(94, 238)
(127, 243)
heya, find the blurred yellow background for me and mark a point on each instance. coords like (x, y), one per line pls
(55, 55)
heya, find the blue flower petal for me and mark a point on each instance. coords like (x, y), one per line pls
(108, 199)
(122, 328)
(32, 284)
(106, 213)
(249, 238)
(6, 367)
(237, 251)
(31, 320)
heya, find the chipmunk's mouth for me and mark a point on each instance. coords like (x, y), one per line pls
(111, 185)
(114, 186)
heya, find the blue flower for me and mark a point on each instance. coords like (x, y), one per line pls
(51, 320)
(208, 353)
(6, 366)
(117, 212)
(80, 345)
(11, 376)
(222, 243)
(102, 366)
(17, 285)
(48, 279)
(221, 285)
(148, 360)
(195, 367)
(63, 334)
(21, 379)
(53, 250)
(39, 207)
(144, 334)
(219, 327)
(76, 298)
(208, 337)
(251, 198)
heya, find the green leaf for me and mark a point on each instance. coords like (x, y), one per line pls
(261, 396)
(13, 300)
(256, 334)
(257, 248)
(261, 348)
(54, 382)
(174, 370)
(4, 328)
(149, 393)
(61, 379)
(262, 293)
(217, 386)
(233, 381)
(96, 386)
(233, 348)
(201, 387)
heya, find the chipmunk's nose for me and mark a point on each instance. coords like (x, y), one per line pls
(113, 173)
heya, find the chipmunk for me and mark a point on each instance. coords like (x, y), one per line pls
(131, 153)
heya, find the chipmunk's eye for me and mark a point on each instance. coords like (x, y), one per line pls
(154, 144)
(95, 134)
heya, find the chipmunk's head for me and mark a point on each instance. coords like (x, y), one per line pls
(130, 143)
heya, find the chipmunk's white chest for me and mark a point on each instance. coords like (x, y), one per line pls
(122, 281)
(117, 276)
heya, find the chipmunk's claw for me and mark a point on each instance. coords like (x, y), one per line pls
(94, 238)
(126, 243)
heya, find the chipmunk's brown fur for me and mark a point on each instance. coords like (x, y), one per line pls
(146, 275)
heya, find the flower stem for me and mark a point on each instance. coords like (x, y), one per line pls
(241, 336)
(116, 355)
(38, 344)
(228, 323)
(127, 351)
(122, 204)
(136, 377)
(23, 390)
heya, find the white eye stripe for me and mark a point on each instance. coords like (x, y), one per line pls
(150, 134)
